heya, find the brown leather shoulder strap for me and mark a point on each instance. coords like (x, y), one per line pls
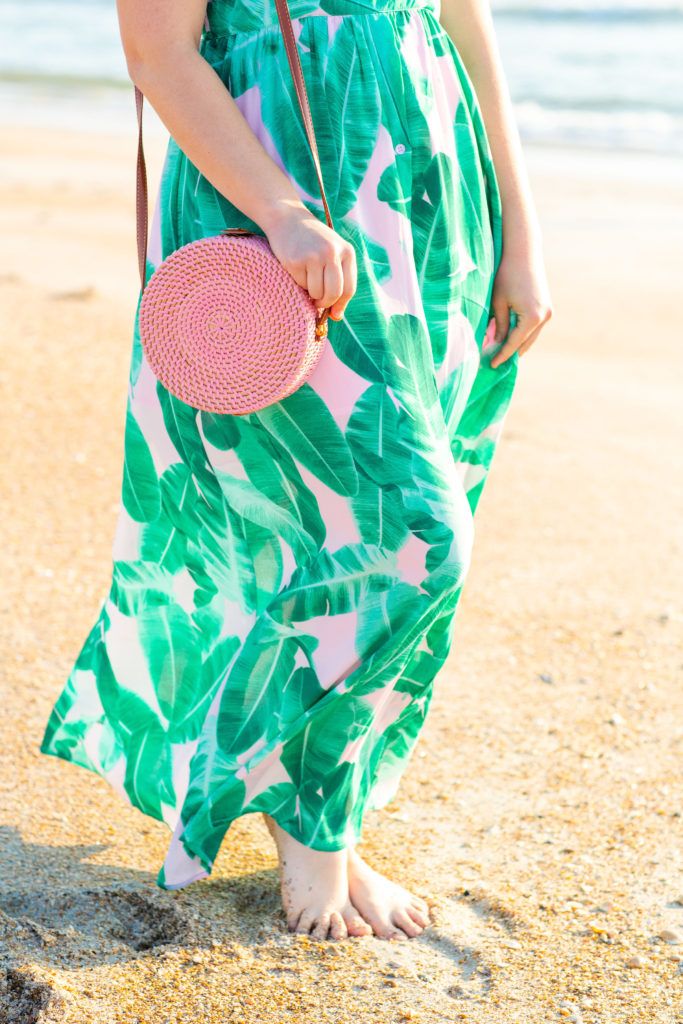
(301, 94)
(141, 202)
(141, 211)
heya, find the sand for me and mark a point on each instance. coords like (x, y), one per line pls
(541, 814)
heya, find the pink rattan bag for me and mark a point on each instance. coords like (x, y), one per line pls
(224, 327)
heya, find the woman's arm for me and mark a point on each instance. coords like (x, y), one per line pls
(520, 282)
(161, 42)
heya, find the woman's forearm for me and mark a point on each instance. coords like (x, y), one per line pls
(469, 24)
(203, 118)
(161, 40)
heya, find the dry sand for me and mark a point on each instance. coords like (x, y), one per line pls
(541, 815)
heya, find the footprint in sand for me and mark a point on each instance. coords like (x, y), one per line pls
(25, 1000)
(93, 918)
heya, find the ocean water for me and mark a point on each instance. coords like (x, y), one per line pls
(601, 74)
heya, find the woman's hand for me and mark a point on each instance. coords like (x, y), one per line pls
(520, 284)
(318, 259)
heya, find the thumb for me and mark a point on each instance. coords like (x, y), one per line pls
(501, 312)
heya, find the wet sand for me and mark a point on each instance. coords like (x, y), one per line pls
(541, 816)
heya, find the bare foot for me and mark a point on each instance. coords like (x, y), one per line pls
(393, 912)
(315, 889)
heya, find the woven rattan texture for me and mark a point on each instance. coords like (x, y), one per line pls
(225, 328)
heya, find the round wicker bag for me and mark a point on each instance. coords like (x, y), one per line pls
(226, 328)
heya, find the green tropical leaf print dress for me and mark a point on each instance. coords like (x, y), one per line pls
(285, 582)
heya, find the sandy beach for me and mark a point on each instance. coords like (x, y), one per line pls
(541, 816)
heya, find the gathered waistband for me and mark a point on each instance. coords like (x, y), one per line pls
(229, 16)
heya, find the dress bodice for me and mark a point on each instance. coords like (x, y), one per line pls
(232, 16)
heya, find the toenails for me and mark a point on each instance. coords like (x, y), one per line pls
(292, 921)
(402, 920)
(338, 929)
(322, 927)
(358, 926)
(418, 916)
(306, 921)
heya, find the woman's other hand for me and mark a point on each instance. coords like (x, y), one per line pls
(520, 284)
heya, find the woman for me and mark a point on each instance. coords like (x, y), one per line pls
(285, 582)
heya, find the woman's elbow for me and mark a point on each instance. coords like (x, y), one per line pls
(138, 55)
(138, 68)
(149, 61)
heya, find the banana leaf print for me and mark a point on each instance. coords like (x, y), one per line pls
(381, 614)
(252, 690)
(250, 503)
(163, 543)
(221, 432)
(278, 477)
(372, 435)
(441, 260)
(148, 778)
(332, 584)
(357, 341)
(169, 639)
(140, 492)
(378, 512)
(268, 561)
(351, 99)
(136, 585)
(200, 690)
(284, 583)
(305, 426)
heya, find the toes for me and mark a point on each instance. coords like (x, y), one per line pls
(306, 921)
(338, 929)
(420, 905)
(356, 925)
(322, 927)
(403, 920)
(381, 925)
(331, 925)
(418, 914)
(293, 917)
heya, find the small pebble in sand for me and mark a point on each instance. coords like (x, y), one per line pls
(546, 677)
(617, 719)
(634, 961)
(669, 935)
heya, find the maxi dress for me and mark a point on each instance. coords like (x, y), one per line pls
(285, 582)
